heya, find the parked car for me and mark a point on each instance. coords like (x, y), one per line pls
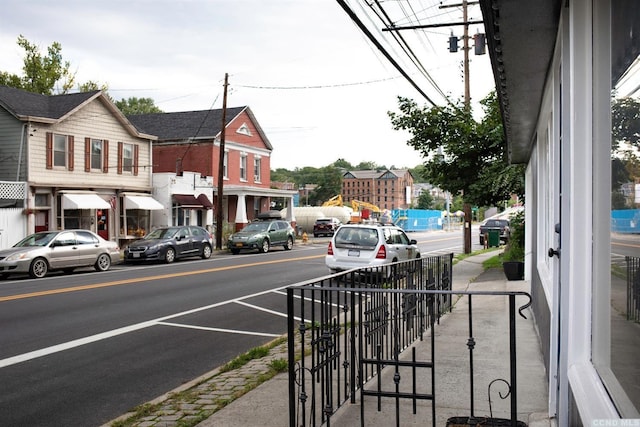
(369, 245)
(170, 243)
(66, 250)
(262, 234)
(500, 225)
(325, 226)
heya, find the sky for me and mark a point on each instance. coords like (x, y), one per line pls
(317, 86)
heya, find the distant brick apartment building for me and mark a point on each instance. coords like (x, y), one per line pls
(387, 189)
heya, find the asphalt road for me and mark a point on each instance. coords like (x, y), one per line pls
(84, 348)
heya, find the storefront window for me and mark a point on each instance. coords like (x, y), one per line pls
(134, 222)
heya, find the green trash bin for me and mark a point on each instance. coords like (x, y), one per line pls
(494, 238)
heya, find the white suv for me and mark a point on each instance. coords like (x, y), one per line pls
(368, 245)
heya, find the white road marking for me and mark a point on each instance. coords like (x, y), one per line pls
(231, 331)
(14, 360)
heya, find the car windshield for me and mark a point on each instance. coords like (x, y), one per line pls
(323, 221)
(163, 233)
(257, 227)
(38, 239)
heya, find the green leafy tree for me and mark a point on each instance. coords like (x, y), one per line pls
(342, 164)
(425, 200)
(135, 105)
(460, 154)
(329, 183)
(43, 74)
(364, 166)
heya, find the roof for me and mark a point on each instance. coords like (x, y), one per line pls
(34, 107)
(373, 174)
(521, 37)
(188, 125)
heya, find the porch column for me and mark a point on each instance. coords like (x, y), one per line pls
(241, 213)
(291, 218)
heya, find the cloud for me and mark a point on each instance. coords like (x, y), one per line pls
(317, 86)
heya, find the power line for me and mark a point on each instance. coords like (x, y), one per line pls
(373, 40)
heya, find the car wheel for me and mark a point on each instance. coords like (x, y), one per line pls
(264, 247)
(170, 255)
(289, 245)
(206, 252)
(38, 268)
(103, 263)
(235, 251)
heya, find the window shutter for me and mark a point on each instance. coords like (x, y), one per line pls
(49, 150)
(120, 160)
(105, 153)
(136, 152)
(87, 155)
(70, 151)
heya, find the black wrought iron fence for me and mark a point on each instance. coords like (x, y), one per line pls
(351, 333)
(633, 288)
(345, 329)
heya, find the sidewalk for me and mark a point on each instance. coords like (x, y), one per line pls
(267, 404)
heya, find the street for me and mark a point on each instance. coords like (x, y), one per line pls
(84, 348)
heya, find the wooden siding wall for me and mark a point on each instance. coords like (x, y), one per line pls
(92, 121)
(10, 155)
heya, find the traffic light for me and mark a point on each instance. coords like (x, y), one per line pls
(453, 44)
(479, 41)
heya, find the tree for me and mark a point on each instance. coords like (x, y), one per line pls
(342, 164)
(41, 73)
(425, 200)
(135, 105)
(460, 154)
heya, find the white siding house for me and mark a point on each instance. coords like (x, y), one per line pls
(86, 166)
(567, 79)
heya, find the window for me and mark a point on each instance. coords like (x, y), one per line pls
(616, 291)
(127, 157)
(225, 163)
(60, 150)
(257, 166)
(243, 167)
(86, 238)
(96, 154)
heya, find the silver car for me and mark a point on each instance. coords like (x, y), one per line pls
(369, 245)
(65, 250)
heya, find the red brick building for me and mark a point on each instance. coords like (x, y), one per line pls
(387, 189)
(190, 141)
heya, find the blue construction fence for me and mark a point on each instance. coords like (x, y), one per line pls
(417, 219)
(625, 221)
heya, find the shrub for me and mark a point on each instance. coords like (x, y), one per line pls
(514, 251)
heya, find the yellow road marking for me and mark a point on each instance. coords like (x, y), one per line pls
(145, 279)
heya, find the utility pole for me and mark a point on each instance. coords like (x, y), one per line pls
(466, 207)
(465, 44)
(219, 216)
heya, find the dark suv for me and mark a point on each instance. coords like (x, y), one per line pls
(491, 224)
(325, 226)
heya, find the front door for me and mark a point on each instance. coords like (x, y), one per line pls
(42, 221)
(102, 221)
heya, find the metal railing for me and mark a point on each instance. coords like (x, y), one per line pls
(633, 288)
(345, 329)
